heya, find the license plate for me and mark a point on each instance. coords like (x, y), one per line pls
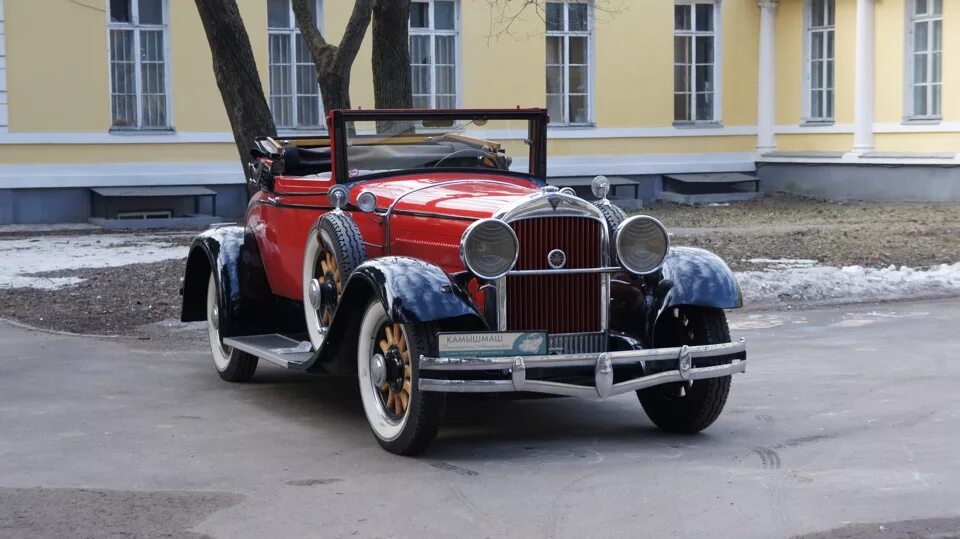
(493, 343)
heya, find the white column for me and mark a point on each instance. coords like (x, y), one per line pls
(863, 104)
(766, 77)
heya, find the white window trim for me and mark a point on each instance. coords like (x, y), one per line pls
(457, 50)
(591, 68)
(294, 31)
(908, 112)
(807, 75)
(168, 71)
(717, 66)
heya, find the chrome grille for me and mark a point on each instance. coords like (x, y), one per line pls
(561, 303)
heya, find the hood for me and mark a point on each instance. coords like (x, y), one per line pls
(473, 197)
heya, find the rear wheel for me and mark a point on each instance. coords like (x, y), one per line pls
(232, 364)
(676, 407)
(403, 419)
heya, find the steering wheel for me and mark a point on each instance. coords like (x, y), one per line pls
(485, 156)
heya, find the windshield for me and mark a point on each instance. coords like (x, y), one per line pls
(471, 141)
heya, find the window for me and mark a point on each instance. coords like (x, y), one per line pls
(820, 51)
(138, 64)
(925, 45)
(695, 77)
(569, 43)
(433, 54)
(294, 91)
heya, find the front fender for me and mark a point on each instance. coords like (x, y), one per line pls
(233, 257)
(699, 278)
(689, 276)
(412, 292)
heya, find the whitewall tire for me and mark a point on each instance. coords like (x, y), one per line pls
(403, 419)
(232, 365)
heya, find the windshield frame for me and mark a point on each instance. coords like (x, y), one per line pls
(536, 118)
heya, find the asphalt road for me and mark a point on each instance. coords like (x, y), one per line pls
(848, 415)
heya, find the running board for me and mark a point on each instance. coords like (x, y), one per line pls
(275, 348)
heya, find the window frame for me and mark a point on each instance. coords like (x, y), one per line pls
(292, 33)
(135, 26)
(433, 32)
(566, 34)
(911, 19)
(716, 120)
(808, 33)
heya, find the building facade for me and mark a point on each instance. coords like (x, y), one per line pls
(845, 98)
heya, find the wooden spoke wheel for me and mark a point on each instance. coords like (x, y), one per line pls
(334, 249)
(403, 419)
(396, 388)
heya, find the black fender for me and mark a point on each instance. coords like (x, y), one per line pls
(231, 253)
(689, 276)
(412, 292)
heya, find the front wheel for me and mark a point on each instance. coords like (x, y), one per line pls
(676, 407)
(403, 419)
(232, 364)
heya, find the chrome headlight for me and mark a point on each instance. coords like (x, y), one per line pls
(489, 248)
(642, 244)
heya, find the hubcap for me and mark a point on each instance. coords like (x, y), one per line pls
(215, 317)
(378, 370)
(315, 294)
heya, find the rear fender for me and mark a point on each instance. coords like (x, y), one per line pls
(412, 292)
(245, 301)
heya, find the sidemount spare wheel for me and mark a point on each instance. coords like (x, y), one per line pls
(678, 407)
(232, 364)
(403, 419)
(614, 216)
(334, 249)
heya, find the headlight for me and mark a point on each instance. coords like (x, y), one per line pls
(489, 248)
(642, 244)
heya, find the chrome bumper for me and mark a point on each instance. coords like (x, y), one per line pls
(730, 358)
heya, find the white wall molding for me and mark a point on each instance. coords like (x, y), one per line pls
(42, 176)
(79, 175)
(181, 137)
(674, 163)
(856, 158)
(940, 127)
(814, 129)
(4, 105)
(651, 132)
(208, 137)
(878, 128)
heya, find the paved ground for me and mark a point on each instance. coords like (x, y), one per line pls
(845, 416)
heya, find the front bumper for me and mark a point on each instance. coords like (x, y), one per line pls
(724, 360)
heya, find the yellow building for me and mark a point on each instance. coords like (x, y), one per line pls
(844, 98)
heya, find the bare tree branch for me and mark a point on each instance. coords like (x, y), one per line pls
(505, 13)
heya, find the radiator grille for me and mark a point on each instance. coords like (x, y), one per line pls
(556, 303)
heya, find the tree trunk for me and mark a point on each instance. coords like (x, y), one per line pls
(333, 62)
(391, 55)
(236, 70)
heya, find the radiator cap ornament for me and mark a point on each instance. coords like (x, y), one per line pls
(556, 259)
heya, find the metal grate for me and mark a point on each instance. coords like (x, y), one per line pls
(562, 303)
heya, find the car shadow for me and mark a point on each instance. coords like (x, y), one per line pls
(476, 427)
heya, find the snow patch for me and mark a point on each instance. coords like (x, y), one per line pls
(22, 258)
(783, 263)
(850, 283)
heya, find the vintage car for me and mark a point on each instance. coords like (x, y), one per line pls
(424, 253)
